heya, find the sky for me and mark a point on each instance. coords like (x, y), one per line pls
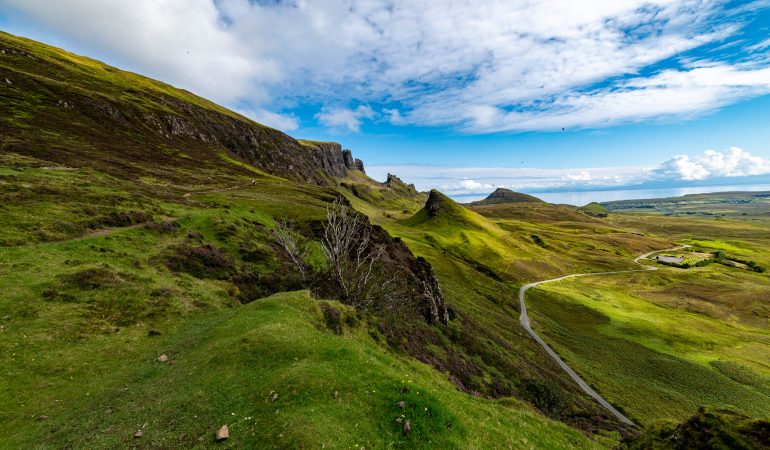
(464, 96)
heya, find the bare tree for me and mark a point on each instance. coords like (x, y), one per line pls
(288, 238)
(353, 257)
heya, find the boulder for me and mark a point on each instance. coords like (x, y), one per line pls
(223, 433)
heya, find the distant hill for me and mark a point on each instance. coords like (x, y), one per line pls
(594, 209)
(737, 203)
(502, 195)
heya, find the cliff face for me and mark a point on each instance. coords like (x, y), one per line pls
(85, 112)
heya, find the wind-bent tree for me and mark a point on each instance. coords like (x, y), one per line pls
(288, 239)
(353, 257)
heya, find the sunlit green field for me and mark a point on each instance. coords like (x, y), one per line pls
(660, 344)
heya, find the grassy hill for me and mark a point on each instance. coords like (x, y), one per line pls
(685, 337)
(502, 195)
(225, 368)
(594, 209)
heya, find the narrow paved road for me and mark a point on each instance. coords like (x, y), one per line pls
(524, 319)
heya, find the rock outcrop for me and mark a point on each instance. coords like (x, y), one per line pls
(394, 182)
(435, 306)
(352, 163)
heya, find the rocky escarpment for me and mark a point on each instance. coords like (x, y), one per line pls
(396, 183)
(87, 113)
(352, 163)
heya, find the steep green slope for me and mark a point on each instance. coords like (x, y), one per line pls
(480, 262)
(393, 198)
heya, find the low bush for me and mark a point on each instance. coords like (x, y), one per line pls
(162, 227)
(205, 261)
(95, 278)
(120, 219)
(704, 430)
(545, 395)
(538, 240)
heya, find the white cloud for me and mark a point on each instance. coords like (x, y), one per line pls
(478, 65)
(670, 93)
(474, 186)
(393, 116)
(734, 162)
(583, 175)
(182, 42)
(349, 119)
(759, 46)
(279, 121)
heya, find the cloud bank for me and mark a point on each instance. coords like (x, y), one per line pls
(479, 66)
(734, 162)
(709, 165)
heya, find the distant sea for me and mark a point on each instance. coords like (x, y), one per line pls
(580, 198)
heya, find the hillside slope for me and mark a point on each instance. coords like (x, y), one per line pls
(138, 219)
(76, 111)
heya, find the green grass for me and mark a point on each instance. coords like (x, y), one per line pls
(226, 365)
(594, 209)
(717, 245)
(651, 348)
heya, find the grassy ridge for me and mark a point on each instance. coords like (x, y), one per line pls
(228, 365)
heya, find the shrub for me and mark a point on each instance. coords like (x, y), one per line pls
(162, 227)
(337, 317)
(706, 429)
(205, 261)
(545, 395)
(54, 295)
(95, 277)
(538, 241)
(121, 219)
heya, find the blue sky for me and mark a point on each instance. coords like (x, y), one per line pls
(463, 95)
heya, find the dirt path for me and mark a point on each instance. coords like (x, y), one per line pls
(231, 188)
(99, 232)
(524, 319)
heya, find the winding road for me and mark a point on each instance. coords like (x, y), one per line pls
(524, 319)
